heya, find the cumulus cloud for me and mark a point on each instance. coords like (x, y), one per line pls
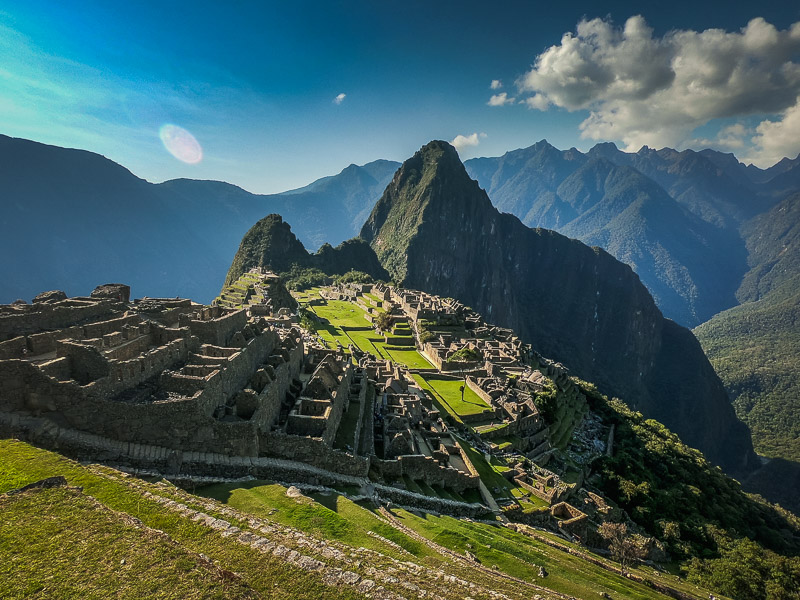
(496, 84)
(644, 89)
(500, 99)
(460, 142)
(339, 99)
(775, 139)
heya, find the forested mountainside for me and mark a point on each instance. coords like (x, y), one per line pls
(673, 216)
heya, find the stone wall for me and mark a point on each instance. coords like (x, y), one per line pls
(425, 468)
(216, 330)
(312, 451)
(28, 319)
(182, 423)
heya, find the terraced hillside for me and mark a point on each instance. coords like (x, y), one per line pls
(108, 531)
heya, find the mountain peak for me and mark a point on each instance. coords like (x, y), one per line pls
(430, 185)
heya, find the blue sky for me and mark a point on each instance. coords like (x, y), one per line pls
(256, 83)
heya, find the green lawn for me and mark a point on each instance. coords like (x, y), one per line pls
(407, 357)
(330, 516)
(348, 325)
(53, 545)
(448, 394)
(342, 314)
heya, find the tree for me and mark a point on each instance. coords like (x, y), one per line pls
(383, 321)
(624, 546)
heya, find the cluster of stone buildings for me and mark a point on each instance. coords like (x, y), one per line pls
(182, 388)
(411, 439)
(170, 385)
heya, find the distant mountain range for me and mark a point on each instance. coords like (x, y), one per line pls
(702, 231)
(673, 216)
(71, 218)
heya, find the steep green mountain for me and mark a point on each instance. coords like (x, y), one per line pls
(755, 346)
(435, 229)
(65, 209)
(270, 243)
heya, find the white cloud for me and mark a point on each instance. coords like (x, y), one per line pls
(651, 90)
(339, 99)
(460, 142)
(537, 101)
(775, 139)
(731, 138)
(496, 84)
(500, 99)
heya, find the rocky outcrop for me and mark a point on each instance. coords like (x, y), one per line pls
(434, 229)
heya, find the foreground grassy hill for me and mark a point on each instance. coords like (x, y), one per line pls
(108, 534)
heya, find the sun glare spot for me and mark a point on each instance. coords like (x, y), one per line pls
(181, 144)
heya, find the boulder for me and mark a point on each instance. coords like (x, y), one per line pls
(114, 291)
(51, 296)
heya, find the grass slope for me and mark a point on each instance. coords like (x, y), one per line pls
(69, 544)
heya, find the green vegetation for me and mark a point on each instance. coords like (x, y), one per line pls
(755, 349)
(69, 544)
(676, 495)
(302, 278)
(521, 557)
(94, 541)
(748, 572)
(346, 324)
(465, 355)
(61, 543)
(447, 394)
(353, 276)
(329, 516)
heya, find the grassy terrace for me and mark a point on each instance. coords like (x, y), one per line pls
(521, 557)
(447, 394)
(66, 544)
(330, 516)
(60, 544)
(347, 325)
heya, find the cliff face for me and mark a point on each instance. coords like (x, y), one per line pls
(435, 229)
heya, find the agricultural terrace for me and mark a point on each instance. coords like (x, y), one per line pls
(344, 322)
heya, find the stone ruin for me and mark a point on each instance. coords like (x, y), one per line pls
(170, 386)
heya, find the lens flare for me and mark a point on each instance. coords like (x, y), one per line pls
(181, 144)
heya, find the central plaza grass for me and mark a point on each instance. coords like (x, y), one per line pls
(447, 392)
(347, 325)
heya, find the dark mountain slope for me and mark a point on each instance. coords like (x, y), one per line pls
(270, 243)
(72, 218)
(435, 229)
(691, 268)
(672, 216)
